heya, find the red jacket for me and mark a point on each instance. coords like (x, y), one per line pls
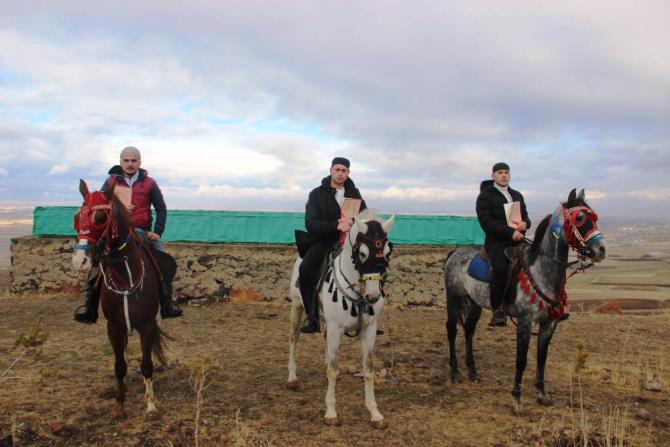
(145, 193)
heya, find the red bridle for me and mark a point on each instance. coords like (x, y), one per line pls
(85, 223)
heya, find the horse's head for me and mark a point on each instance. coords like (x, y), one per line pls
(96, 224)
(371, 251)
(575, 223)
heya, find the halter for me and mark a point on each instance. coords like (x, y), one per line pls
(349, 292)
(569, 233)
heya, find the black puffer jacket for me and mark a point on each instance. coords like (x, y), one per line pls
(491, 215)
(322, 210)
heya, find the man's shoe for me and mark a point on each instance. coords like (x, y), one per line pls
(86, 314)
(170, 310)
(311, 326)
(499, 318)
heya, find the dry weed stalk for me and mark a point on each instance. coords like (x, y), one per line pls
(243, 436)
(199, 383)
(36, 336)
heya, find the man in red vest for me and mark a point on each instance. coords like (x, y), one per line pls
(144, 193)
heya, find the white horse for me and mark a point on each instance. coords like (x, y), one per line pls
(351, 299)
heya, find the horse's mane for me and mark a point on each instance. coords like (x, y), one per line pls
(537, 240)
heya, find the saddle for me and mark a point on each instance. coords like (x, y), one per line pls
(165, 265)
(480, 269)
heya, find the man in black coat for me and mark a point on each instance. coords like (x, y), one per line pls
(324, 224)
(499, 234)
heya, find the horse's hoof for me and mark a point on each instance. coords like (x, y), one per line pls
(119, 413)
(153, 415)
(456, 378)
(545, 401)
(292, 385)
(379, 425)
(332, 422)
(474, 378)
(516, 407)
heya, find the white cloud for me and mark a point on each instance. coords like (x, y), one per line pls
(3, 172)
(60, 168)
(653, 194)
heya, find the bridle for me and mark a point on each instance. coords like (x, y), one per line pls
(578, 231)
(99, 239)
(373, 268)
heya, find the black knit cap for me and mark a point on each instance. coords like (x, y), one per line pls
(500, 166)
(340, 161)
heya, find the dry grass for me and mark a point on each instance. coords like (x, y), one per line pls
(246, 403)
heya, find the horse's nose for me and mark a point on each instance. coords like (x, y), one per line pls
(370, 298)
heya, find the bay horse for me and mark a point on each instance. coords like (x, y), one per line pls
(351, 298)
(131, 282)
(540, 291)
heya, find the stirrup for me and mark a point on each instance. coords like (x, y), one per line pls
(310, 327)
(497, 320)
(89, 316)
(171, 311)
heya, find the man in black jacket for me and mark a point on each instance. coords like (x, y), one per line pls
(324, 224)
(499, 234)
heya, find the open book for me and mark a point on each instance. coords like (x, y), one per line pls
(513, 213)
(351, 207)
(124, 194)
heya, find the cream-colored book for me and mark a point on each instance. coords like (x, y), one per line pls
(513, 213)
(124, 194)
(351, 207)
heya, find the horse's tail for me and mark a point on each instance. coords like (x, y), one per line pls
(158, 347)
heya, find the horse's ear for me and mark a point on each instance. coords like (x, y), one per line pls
(581, 195)
(108, 193)
(386, 226)
(83, 188)
(573, 195)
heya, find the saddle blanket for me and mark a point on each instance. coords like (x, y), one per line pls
(480, 269)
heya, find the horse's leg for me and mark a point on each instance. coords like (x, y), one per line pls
(368, 337)
(296, 315)
(523, 332)
(117, 338)
(469, 328)
(333, 368)
(454, 309)
(543, 339)
(147, 338)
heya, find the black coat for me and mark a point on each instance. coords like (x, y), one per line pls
(322, 210)
(491, 215)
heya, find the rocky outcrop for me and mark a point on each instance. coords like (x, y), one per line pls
(43, 265)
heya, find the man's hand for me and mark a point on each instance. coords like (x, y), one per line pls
(517, 236)
(153, 236)
(344, 224)
(130, 207)
(522, 226)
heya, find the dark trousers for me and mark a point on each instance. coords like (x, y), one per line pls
(309, 271)
(499, 263)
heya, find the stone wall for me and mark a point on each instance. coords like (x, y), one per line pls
(43, 265)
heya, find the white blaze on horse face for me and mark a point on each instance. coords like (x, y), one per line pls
(80, 260)
(372, 292)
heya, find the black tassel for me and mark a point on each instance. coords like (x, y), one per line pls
(353, 311)
(335, 297)
(327, 278)
(344, 305)
(330, 289)
(371, 310)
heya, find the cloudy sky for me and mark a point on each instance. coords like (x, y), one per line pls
(242, 104)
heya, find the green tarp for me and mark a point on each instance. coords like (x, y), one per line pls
(271, 227)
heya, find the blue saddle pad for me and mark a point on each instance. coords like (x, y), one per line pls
(480, 269)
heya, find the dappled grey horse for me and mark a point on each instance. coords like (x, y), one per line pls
(539, 283)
